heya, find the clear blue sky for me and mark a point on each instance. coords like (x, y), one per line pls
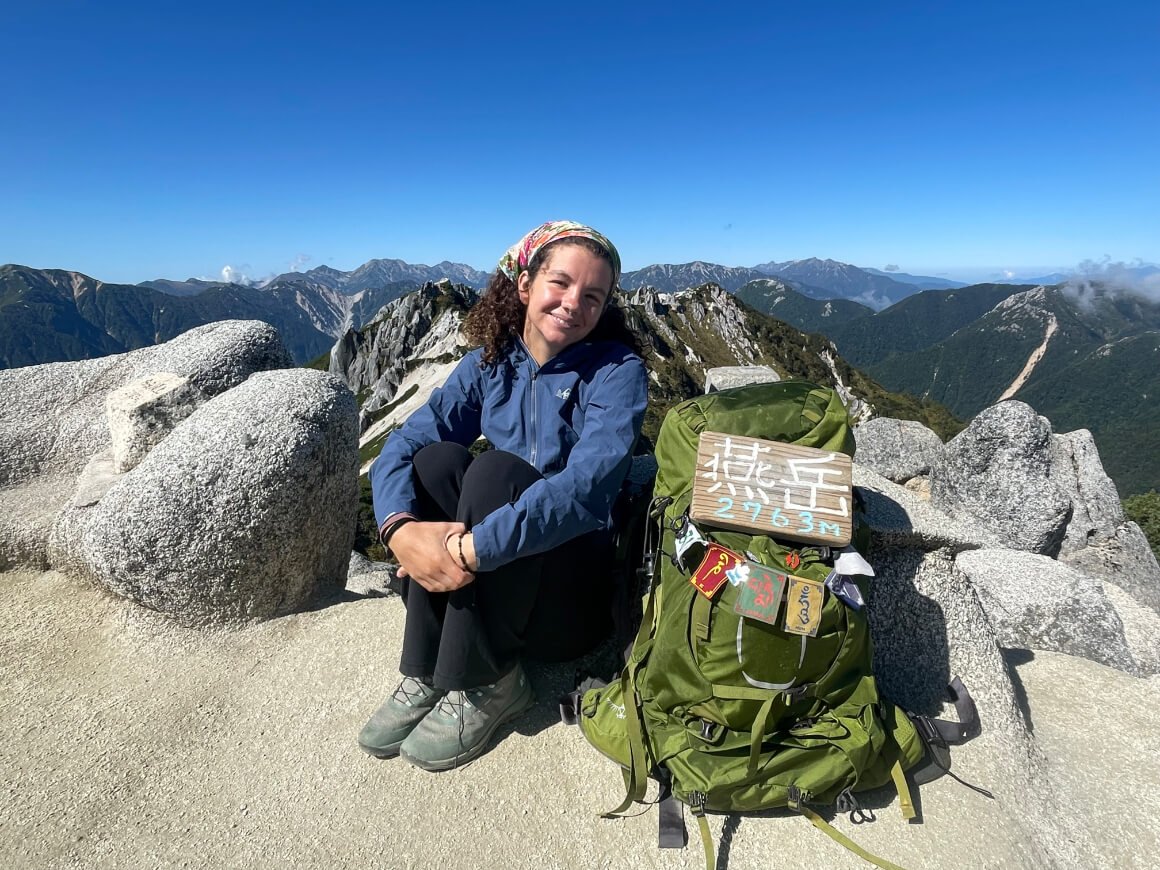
(164, 139)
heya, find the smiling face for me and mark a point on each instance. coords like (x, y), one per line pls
(564, 299)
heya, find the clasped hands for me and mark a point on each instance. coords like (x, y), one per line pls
(428, 553)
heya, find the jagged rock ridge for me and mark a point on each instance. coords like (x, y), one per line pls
(393, 362)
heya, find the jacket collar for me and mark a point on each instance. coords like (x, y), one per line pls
(523, 357)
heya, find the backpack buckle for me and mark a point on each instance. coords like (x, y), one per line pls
(570, 707)
(711, 732)
(646, 571)
(795, 798)
(796, 693)
(926, 730)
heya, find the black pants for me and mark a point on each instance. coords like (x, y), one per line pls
(551, 606)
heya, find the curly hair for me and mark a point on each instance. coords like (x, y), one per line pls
(497, 319)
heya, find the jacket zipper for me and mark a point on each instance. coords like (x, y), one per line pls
(535, 434)
(536, 369)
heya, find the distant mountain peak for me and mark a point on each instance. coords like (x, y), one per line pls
(669, 278)
(832, 279)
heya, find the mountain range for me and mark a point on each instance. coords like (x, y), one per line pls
(780, 298)
(1084, 357)
(1083, 363)
(922, 282)
(841, 281)
(52, 315)
(817, 279)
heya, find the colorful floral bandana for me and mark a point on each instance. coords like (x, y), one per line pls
(521, 253)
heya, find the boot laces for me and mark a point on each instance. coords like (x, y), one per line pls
(456, 703)
(412, 692)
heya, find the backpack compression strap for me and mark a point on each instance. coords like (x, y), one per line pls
(840, 838)
(636, 776)
(698, 808)
(796, 804)
(767, 698)
(905, 801)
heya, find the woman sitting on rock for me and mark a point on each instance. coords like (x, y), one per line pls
(501, 555)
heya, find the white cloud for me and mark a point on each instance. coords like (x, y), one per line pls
(299, 262)
(241, 275)
(1106, 278)
(237, 275)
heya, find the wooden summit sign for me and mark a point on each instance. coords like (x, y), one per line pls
(771, 488)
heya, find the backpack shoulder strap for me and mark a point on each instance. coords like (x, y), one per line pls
(636, 776)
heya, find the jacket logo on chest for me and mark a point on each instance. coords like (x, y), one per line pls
(563, 394)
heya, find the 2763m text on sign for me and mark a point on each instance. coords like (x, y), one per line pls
(769, 487)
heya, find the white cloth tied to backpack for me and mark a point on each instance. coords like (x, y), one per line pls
(850, 563)
(847, 565)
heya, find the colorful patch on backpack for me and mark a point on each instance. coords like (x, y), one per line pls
(712, 573)
(793, 560)
(803, 606)
(760, 595)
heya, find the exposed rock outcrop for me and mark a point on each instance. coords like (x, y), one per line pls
(1124, 559)
(1072, 605)
(54, 417)
(1096, 511)
(899, 450)
(727, 377)
(899, 518)
(54, 413)
(243, 512)
(997, 472)
(371, 579)
(1035, 602)
(1099, 540)
(143, 412)
(418, 329)
(929, 626)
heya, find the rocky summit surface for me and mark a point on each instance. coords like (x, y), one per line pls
(185, 671)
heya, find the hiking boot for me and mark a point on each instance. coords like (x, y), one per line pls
(397, 717)
(462, 723)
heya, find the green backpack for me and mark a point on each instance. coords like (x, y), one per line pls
(732, 714)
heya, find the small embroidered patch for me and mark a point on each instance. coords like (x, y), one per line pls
(803, 606)
(760, 596)
(711, 575)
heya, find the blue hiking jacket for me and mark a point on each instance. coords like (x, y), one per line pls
(575, 419)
